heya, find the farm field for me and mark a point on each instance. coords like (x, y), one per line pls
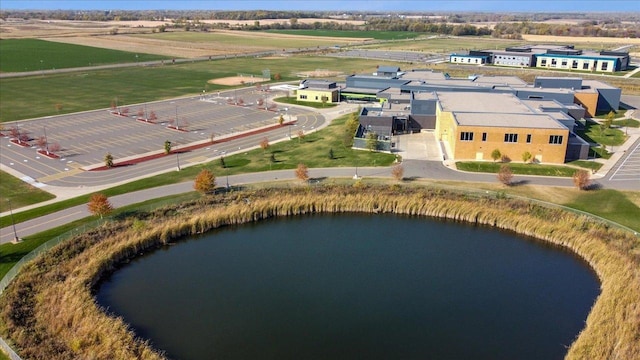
(444, 44)
(37, 96)
(378, 35)
(196, 44)
(17, 55)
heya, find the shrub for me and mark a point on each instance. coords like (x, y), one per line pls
(99, 205)
(108, 160)
(302, 172)
(496, 154)
(397, 172)
(505, 175)
(581, 179)
(526, 156)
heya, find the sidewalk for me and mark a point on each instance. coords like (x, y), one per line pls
(620, 151)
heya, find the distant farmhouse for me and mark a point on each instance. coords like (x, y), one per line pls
(547, 56)
(473, 116)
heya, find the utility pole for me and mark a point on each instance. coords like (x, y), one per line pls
(16, 239)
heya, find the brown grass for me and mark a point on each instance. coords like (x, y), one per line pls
(49, 312)
(237, 80)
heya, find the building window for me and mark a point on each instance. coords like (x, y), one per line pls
(604, 66)
(528, 138)
(543, 62)
(484, 136)
(553, 62)
(574, 64)
(511, 138)
(555, 139)
(303, 96)
(564, 63)
(466, 136)
(316, 98)
(585, 65)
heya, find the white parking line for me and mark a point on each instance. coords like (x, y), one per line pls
(628, 165)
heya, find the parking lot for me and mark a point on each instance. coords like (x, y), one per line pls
(629, 168)
(85, 138)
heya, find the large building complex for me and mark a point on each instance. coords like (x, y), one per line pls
(548, 56)
(475, 115)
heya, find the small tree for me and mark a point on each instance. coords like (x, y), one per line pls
(331, 155)
(140, 113)
(608, 120)
(54, 147)
(99, 205)
(167, 147)
(526, 156)
(264, 144)
(324, 100)
(300, 135)
(496, 154)
(302, 172)
(205, 182)
(58, 107)
(125, 111)
(398, 172)
(277, 77)
(42, 143)
(222, 163)
(153, 116)
(581, 179)
(108, 160)
(505, 175)
(272, 158)
(372, 141)
(281, 119)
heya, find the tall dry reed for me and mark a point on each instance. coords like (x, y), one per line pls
(49, 310)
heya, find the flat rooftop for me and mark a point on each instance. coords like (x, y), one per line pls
(482, 103)
(528, 121)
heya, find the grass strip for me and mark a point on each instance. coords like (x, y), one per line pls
(517, 168)
(17, 193)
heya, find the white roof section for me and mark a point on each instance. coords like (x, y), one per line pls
(529, 121)
(479, 102)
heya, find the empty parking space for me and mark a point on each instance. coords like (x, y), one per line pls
(629, 168)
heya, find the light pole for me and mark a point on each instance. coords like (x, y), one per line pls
(46, 140)
(177, 127)
(16, 239)
(178, 160)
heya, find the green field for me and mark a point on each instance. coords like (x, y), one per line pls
(378, 35)
(445, 45)
(36, 96)
(18, 55)
(516, 168)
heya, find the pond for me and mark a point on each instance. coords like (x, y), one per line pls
(348, 286)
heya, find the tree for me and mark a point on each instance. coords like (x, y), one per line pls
(99, 205)
(167, 147)
(54, 147)
(222, 163)
(505, 175)
(372, 141)
(324, 100)
(108, 160)
(301, 135)
(302, 172)
(140, 114)
(581, 179)
(205, 182)
(608, 120)
(42, 143)
(526, 156)
(331, 155)
(272, 158)
(398, 172)
(496, 154)
(281, 119)
(264, 144)
(152, 116)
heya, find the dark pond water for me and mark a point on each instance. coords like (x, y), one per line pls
(355, 287)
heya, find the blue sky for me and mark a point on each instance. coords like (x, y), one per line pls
(339, 5)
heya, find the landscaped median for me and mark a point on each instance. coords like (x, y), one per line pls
(49, 310)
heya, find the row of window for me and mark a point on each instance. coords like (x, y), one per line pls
(509, 138)
(574, 64)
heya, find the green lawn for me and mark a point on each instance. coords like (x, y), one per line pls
(517, 168)
(18, 55)
(609, 204)
(596, 134)
(627, 123)
(37, 96)
(586, 164)
(378, 35)
(17, 193)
